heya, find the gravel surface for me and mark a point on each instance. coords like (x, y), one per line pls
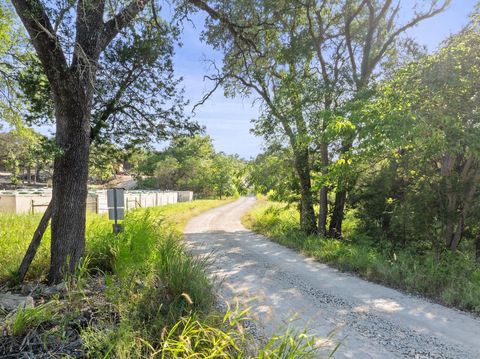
(287, 289)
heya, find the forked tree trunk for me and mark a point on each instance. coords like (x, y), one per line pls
(72, 83)
(69, 193)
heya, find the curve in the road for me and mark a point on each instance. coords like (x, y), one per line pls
(370, 320)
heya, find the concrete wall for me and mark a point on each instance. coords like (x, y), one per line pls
(185, 196)
(24, 202)
(7, 202)
(138, 199)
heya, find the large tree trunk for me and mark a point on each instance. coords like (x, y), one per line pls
(307, 214)
(335, 229)
(72, 83)
(69, 187)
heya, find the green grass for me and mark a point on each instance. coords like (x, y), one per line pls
(28, 318)
(157, 301)
(454, 280)
(16, 232)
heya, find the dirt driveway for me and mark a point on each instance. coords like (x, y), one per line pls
(287, 288)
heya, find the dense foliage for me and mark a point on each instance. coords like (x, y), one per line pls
(191, 163)
(311, 65)
(412, 169)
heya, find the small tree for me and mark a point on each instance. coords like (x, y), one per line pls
(427, 116)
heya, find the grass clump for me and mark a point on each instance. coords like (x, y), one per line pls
(453, 280)
(25, 319)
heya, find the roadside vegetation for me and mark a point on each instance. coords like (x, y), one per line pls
(453, 279)
(375, 171)
(138, 294)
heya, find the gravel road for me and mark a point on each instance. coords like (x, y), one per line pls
(289, 289)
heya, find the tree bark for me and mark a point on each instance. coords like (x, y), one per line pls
(323, 195)
(335, 228)
(35, 243)
(307, 214)
(69, 192)
(323, 211)
(72, 83)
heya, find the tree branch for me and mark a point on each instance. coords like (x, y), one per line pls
(113, 26)
(44, 40)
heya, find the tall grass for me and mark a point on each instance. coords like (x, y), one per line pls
(158, 301)
(453, 280)
(28, 318)
(16, 231)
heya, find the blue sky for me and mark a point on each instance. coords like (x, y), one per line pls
(228, 120)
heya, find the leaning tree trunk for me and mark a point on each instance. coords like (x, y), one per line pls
(69, 193)
(35, 243)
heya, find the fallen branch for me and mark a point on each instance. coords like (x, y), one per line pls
(35, 243)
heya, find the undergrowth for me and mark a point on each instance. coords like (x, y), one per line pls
(453, 280)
